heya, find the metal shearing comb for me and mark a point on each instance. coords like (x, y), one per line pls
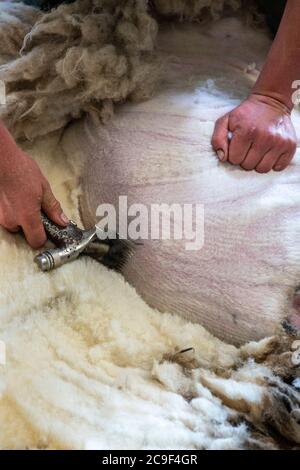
(71, 242)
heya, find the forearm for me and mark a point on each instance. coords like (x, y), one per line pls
(282, 66)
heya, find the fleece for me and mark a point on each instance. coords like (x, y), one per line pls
(80, 57)
(89, 365)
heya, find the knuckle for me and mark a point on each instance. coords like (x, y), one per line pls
(219, 124)
(35, 244)
(250, 132)
(8, 222)
(33, 221)
(10, 227)
(45, 184)
(282, 163)
(282, 140)
(263, 169)
(221, 120)
(285, 145)
(54, 204)
(292, 144)
(234, 120)
(264, 142)
(285, 159)
(270, 140)
(51, 202)
(247, 166)
(235, 157)
(215, 142)
(282, 147)
(235, 160)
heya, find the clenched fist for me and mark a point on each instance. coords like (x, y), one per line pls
(24, 191)
(262, 135)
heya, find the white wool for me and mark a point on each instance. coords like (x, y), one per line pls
(79, 358)
(246, 396)
(87, 368)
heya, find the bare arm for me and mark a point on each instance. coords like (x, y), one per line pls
(263, 134)
(282, 66)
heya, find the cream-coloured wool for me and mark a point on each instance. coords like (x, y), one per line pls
(86, 368)
(90, 365)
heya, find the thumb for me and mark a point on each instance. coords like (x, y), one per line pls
(52, 207)
(219, 139)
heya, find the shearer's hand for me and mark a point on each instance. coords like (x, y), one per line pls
(24, 191)
(257, 135)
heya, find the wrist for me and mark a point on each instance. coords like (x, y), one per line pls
(273, 100)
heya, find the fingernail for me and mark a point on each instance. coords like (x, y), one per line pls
(278, 168)
(64, 218)
(221, 155)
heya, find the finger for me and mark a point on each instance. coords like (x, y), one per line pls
(267, 162)
(34, 230)
(219, 139)
(239, 146)
(52, 207)
(253, 158)
(8, 222)
(10, 226)
(12, 229)
(283, 161)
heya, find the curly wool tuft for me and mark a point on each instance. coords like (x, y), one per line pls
(80, 57)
